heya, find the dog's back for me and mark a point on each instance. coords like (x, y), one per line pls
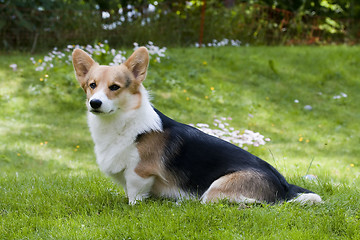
(212, 168)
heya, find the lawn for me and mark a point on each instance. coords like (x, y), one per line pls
(305, 99)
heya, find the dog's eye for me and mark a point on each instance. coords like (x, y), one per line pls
(93, 85)
(114, 87)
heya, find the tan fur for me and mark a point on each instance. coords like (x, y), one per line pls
(151, 150)
(241, 186)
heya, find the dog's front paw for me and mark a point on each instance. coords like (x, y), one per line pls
(134, 200)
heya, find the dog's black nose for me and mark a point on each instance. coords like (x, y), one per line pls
(95, 103)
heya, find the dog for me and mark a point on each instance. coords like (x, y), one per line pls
(150, 154)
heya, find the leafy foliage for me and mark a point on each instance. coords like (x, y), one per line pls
(43, 24)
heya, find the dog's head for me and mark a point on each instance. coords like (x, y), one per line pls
(111, 88)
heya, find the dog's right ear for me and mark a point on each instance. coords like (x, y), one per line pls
(82, 64)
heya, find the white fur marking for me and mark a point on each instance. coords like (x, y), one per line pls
(307, 198)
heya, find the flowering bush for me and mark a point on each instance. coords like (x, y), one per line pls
(224, 42)
(154, 51)
(229, 134)
(101, 52)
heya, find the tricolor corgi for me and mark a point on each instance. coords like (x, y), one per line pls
(150, 154)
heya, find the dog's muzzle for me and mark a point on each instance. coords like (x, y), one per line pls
(99, 103)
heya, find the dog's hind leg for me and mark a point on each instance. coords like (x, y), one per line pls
(246, 186)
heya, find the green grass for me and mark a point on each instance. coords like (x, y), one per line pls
(51, 188)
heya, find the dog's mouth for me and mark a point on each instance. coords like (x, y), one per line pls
(94, 111)
(98, 112)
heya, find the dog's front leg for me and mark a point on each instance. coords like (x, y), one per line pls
(137, 188)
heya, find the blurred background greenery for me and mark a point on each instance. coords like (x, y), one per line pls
(38, 25)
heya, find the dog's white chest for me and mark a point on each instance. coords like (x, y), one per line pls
(114, 148)
(114, 157)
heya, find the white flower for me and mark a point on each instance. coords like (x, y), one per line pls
(105, 15)
(47, 59)
(229, 134)
(13, 66)
(341, 95)
(200, 125)
(33, 60)
(296, 101)
(308, 107)
(39, 68)
(154, 51)
(224, 42)
(310, 177)
(118, 59)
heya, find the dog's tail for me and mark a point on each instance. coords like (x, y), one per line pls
(302, 195)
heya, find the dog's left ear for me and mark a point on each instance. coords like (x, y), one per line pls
(138, 63)
(82, 63)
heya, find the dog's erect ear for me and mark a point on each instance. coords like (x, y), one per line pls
(82, 63)
(138, 63)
